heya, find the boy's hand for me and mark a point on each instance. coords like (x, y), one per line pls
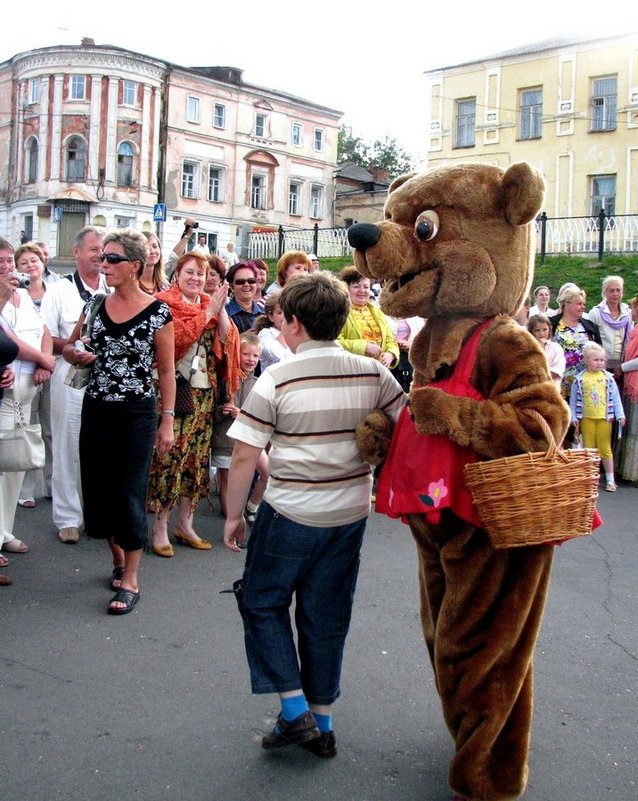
(234, 534)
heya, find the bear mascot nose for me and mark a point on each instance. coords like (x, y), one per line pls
(363, 235)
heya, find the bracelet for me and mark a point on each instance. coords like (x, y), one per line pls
(169, 411)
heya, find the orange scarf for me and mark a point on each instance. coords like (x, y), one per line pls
(189, 321)
(630, 381)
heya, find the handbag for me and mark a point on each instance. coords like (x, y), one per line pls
(184, 404)
(21, 447)
(78, 376)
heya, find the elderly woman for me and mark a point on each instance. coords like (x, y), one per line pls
(206, 343)
(216, 274)
(613, 318)
(20, 318)
(130, 332)
(242, 281)
(153, 279)
(289, 265)
(367, 331)
(29, 259)
(572, 331)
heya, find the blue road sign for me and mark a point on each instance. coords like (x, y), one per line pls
(159, 212)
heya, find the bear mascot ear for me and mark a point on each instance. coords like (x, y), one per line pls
(523, 192)
(400, 181)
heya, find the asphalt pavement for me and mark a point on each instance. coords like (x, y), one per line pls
(156, 705)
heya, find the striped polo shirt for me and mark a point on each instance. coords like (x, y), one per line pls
(308, 408)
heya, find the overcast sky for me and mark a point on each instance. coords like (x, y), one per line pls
(365, 59)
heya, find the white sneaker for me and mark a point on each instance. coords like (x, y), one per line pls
(610, 487)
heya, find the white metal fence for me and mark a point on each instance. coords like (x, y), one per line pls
(560, 235)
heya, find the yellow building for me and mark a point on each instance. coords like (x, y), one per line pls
(569, 107)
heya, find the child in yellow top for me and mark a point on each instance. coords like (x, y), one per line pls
(595, 403)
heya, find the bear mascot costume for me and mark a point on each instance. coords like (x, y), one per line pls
(456, 247)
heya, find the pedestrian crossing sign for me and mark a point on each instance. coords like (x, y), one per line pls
(159, 212)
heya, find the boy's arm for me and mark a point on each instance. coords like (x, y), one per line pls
(240, 476)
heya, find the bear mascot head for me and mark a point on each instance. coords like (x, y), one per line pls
(456, 247)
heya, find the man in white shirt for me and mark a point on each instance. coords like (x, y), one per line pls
(201, 246)
(62, 307)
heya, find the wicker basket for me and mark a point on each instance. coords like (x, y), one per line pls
(536, 498)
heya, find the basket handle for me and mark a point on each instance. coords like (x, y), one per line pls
(553, 450)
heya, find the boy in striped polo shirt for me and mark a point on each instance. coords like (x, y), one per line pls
(309, 528)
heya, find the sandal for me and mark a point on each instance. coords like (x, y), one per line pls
(3, 561)
(127, 597)
(26, 503)
(117, 574)
(15, 546)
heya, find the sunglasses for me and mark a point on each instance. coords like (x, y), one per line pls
(113, 258)
(242, 281)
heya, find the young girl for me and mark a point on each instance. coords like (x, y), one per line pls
(594, 403)
(224, 416)
(540, 328)
(268, 326)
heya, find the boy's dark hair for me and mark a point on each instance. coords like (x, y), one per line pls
(320, 303)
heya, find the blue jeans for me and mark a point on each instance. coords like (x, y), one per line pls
(319, 566)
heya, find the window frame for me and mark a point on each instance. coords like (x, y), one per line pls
(216, 124)
(260, 115)
(530, 114)
(33, 152)
(295, 198)
(319, 140)
(127, 87)
(467, 131)
(262, 187)
(81, 151)
(128, 165)
(194, 100)
(606, 101)
(299, 128)
(33, 91)
(220, 184)
(74, 86)
(193, 183)
(600, 199)
(316, 208)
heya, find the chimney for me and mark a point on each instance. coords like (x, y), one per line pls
(88, 42)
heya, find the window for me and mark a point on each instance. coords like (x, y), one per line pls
(192, 109)
(603, 194)
(78, 87)
(294, 198)
(465, 122)
(189, 179)
(258, 192)
(32, 161)
(297, 134)
(316, 201)
(75, 159)
(215, 184)
(219, 115)
(124, 222)
(319, 139)
(33, 90)
(531, 113)
(129, 93)
(260, 125)
(125, 154)
(603, 102)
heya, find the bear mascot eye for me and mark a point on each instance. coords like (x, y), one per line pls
(426, 226)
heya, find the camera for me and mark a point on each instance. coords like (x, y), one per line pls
(24, 282)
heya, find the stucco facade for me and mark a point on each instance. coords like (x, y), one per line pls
(569, 107)
(97, 134)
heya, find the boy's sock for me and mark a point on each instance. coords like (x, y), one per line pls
(324, 722)
(293, 706)
(251, 507)
(609, 478)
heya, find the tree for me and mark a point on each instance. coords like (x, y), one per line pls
(384, 153)
(352, 148)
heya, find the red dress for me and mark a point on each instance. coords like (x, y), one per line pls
(423, 474)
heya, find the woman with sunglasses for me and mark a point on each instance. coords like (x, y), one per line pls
(242, 308)
(130, 333)
(206, 349)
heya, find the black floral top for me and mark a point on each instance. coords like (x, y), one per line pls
(125, 353)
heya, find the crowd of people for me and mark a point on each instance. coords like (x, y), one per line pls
(225, 325)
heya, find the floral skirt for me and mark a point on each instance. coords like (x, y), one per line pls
(183, 471)
(628, 461)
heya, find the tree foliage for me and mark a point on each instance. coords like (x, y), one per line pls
(385, 153)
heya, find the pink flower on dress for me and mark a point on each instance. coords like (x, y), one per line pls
(437, 491)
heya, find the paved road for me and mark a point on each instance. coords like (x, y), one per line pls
(156, 705)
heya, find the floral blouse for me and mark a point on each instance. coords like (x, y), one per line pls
(572, 341)
(125, 353)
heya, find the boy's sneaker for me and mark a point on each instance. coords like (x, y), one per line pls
(250, 513)
(610, 487)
